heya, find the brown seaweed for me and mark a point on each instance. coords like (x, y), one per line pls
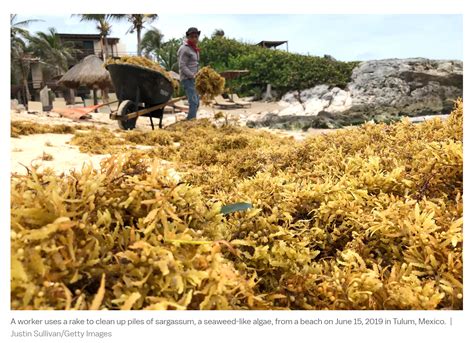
(367, 218)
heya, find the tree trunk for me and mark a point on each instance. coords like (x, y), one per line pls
(24, 76)
(139, 41)
(106, 48)
(72, 97)
(20, 96)
(105, 95)
(102, 47)
(27, 91)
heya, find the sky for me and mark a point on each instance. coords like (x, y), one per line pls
(346, 37)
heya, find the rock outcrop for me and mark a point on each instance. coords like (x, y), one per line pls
(380, 90)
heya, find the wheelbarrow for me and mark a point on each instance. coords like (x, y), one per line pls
(140, 92)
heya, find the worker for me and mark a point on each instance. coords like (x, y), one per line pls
(188, 60)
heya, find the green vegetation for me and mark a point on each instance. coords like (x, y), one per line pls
(103, 25)
(55, 54)
(19, 53)
(138, 22)
(284, 71)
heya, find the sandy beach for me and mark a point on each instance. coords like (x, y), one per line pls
(35, 149)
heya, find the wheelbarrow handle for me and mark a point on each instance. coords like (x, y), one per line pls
(107, 103)
(114, 116)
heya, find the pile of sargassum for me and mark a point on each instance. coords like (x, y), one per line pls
(367, 218)
(144, 63)
(209, 84)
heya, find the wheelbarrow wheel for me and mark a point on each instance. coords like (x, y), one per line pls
(126, 107)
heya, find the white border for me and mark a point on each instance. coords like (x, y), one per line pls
(458, 332)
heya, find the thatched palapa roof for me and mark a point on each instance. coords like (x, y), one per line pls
(89, 72)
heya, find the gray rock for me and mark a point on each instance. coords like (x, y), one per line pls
(305, 95)
(293, 122)
(289, 97)
(315, 92)
(415, 86)
(292, 109)
(21, 108)
(380, 90)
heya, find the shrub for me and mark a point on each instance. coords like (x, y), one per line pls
(284, 71)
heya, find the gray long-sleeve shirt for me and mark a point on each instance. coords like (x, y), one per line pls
(188, 61)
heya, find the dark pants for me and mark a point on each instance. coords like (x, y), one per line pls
(193, 97)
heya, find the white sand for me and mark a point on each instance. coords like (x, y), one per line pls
(29, 149)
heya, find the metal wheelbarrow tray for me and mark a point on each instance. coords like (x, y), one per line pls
(141, 92)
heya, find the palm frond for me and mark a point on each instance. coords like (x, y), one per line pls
(22, 23)
(51, 50)
(89, 17)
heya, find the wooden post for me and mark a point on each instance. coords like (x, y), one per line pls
(105, 94)
(72, 96)
(94, 92)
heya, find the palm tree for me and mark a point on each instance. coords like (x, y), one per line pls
(18, 35)
(17, 28)
(167, 54)
(138, 22)
(152, 41)
(19, 53)
(52, 51)
(103, 26)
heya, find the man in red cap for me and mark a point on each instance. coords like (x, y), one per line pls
(188, 60)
